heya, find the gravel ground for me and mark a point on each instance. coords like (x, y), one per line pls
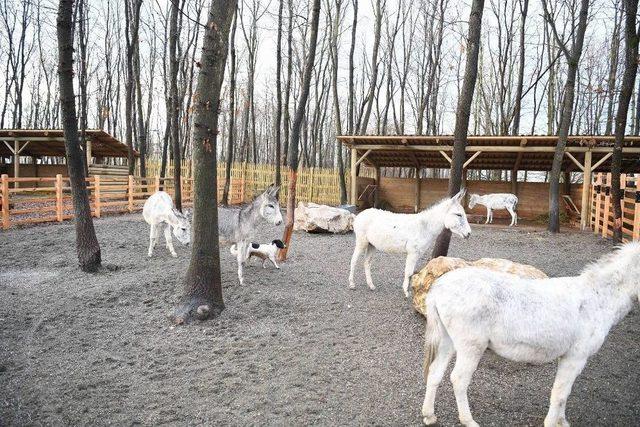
(294, 346)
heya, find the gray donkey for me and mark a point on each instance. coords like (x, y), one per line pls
(237, 225)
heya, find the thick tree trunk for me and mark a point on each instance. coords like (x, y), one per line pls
(128, 103)
(297, 125)
(87, 245)
(626, 90)
(287, 117)
(335, 29)
(232, 110)
(202, 286)
(573, 59)
(175, 103)
(463, 112)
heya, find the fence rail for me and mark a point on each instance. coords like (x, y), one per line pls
(602, 221)
(37, 200)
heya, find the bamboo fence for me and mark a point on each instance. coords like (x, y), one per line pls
(602, 210)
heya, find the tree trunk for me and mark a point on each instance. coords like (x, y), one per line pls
(202, 285)
(297, 125)
(463, 112)
(175, 103)
(128, 103)
(351, 93)
(626, 90)
(524, 8)
(573, 59)
(135, 41)
(335, 29)
(613, 69)
(287, 118)
(232, 110)
(278, 120)
(87, 245)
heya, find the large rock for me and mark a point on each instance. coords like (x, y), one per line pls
(421, 282)
(314, 218)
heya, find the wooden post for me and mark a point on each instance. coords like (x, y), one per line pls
(130, 193)
(89, 156)
(416, 206)
(96, 195)
(636, 221)
(157, 183)
(586, 185)
(59, 204)
(596, 200)
(5, 201)
(16, 163)
(607, 208)
(353, 197)
(514, 181)
(376, 194)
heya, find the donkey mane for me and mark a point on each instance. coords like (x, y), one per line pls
(608, 268)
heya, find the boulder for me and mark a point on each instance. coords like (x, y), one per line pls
(314, 218)
(421, 281)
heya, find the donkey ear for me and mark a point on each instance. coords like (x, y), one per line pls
(458, 197)
(275, 190)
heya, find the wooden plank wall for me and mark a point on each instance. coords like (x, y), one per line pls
(533, 196)
(602, 209)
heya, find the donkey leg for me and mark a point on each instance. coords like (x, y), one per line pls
(467, 359)
(409, 268)
(436, 372)
(360, 247)
(367, 265)
(488, 216)
(241, 257)
(153, 238)
(167, 237)
(568, 371)
(514, 216)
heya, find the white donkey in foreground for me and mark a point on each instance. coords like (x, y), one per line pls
(411, 234)
(161, 214)
(525, 320)
(506, 201)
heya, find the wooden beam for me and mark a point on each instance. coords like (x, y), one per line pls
(601, 161)
(586, 187)
(468, 162)
(353, 197)
(376, 194)
(364, 156)
(492, 148)
(416, 206)
(575, 161)
(16, 162)
(445, 156)
(89, 154)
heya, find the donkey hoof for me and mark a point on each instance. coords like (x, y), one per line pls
(175, 255)
(372, 287)
(430, 420)
(352, 285)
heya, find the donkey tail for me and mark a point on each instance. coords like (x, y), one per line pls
(432, 336)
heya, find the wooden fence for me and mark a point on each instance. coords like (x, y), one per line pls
(602, 209)
(47, 199)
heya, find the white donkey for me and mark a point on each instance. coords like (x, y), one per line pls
(506, 201)
(411, 234)
(161, 214)
(525, 320)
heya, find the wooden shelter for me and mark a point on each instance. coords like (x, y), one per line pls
(39, 143)
(586, 154)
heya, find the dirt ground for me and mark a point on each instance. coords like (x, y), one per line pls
(293, 347)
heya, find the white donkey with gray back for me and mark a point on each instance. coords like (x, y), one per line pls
(506, 201)
(161, 214)
(237, 225)
(525, 320)
(411, 234)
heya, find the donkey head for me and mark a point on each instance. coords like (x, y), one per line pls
(455, 218)
(182, 227)
(473, 200)
(269, 205)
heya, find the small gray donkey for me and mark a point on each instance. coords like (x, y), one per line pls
(237, 225)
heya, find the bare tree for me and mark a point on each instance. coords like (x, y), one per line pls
(175, 102)
(232, 109)
(278, 118)
(463, 112)
(573, 59)
(628, 81)
(297, 125)
(87, 246)
(202, 285)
